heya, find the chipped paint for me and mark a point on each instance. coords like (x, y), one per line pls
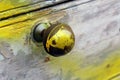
(74, 66)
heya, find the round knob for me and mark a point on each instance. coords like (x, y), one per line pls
(58, 39)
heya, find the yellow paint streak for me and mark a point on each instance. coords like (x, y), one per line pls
(8, 4)
(105, 70)
(14, 31)
(5, 4)
(23, 24)
(18, 10)
(18, 26)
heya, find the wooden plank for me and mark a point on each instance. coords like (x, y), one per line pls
(96, 54)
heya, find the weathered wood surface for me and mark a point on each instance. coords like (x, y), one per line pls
(96, 55)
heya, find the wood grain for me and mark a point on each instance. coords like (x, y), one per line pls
(96, 54)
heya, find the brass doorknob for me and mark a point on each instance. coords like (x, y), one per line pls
(58, 39)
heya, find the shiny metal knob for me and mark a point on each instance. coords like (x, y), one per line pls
(58, 39)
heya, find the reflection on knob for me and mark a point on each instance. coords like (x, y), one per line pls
(58, 39)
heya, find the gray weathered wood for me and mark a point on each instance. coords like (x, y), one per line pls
(96, 25)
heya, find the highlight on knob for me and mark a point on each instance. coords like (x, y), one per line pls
(58, 39)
